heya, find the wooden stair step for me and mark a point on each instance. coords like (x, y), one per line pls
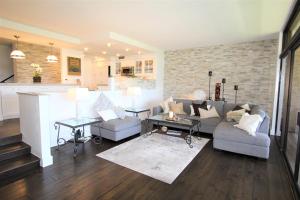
(18, 165)
(10, 139)
(14, 150)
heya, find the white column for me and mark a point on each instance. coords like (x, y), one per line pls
(34, 124)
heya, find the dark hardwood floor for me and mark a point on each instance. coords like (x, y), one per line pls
(211, 175)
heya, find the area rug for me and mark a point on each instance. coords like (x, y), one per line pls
(159, 156)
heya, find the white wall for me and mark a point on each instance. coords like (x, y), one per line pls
(6, 63)
(9, 101)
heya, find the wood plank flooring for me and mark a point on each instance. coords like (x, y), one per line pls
(211, 175)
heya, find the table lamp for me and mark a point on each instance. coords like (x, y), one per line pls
(78, 94)
(134, 92)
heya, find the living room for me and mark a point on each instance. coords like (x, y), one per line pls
(149, 99)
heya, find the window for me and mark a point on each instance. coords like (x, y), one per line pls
(138, 67)
(148, 66)
(118, 68)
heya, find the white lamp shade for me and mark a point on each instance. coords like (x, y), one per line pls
(78, 94)
(17, 54)
(134, 91)
(52, 59)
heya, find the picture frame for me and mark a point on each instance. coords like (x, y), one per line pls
(74, 66)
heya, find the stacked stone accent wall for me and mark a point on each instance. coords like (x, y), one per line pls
(37, 54)
(250, 65)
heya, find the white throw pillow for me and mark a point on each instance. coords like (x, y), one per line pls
(235, 115)
(246, 107)
(107, 114)
(165, 104)
(103, 103)
(120, 112)
(208, 113)
(249, 123)
(192, 110)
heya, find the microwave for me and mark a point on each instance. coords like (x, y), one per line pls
(127, 71)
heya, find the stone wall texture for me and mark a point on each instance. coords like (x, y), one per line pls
(250, 65)
(37, 54)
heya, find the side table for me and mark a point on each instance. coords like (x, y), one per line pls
(75, 124)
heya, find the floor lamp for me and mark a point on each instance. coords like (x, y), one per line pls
(236, 88)
(209, 75)
(223, 83)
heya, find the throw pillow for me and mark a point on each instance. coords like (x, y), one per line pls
(103, 103)
(249, 123)
(120, 112)
(208, 113)
(197, 106)
(177, 108)
(192, 110)
(235, 116)
(107, 114)
(246, 107)
(165, 104)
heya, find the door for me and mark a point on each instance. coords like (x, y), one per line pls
(293, 107)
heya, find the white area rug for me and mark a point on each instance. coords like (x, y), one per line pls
(159, 156)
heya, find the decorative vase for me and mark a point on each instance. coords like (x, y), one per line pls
(37, 79)
(217, 91)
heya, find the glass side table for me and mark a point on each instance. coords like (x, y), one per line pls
(137, 111)
(75, 124)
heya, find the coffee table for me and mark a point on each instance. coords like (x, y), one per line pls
(192, 125)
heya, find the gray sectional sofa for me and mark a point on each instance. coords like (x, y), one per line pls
(226, 136)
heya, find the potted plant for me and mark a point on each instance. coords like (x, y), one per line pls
(37, 73)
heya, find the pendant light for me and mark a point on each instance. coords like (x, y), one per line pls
(17, 54)
(51, 58)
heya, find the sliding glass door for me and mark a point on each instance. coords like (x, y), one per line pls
(293, 109)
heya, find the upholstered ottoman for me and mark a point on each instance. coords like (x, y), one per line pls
(118, 129)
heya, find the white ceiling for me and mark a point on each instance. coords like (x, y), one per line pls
(166, 24)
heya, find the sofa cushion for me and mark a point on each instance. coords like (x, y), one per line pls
(120, 124)
(208, 125)
(257, 110)
(226, 131)
(186, 105)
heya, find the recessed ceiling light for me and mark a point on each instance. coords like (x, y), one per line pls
(139, 52)
(85, 49)
(104, 52)
(126, 49)
(118, 55)
(108, 44)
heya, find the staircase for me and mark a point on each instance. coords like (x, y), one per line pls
(16, 161)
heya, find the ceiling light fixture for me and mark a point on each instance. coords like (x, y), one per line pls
(126, 49)
(103, 52)
(108, 44)
(51, 58)
(85, 49)
(139, 52)
(17, 54)
(118, 55)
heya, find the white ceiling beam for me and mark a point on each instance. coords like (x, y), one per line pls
(5, 23)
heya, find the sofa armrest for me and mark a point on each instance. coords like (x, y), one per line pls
(265, 125)
(157, 110)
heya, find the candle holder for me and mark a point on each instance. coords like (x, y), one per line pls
(223, 83)
(209, 76)
(236, 88)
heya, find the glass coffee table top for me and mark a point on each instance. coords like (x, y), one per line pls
(77, 122)
(180, 121)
